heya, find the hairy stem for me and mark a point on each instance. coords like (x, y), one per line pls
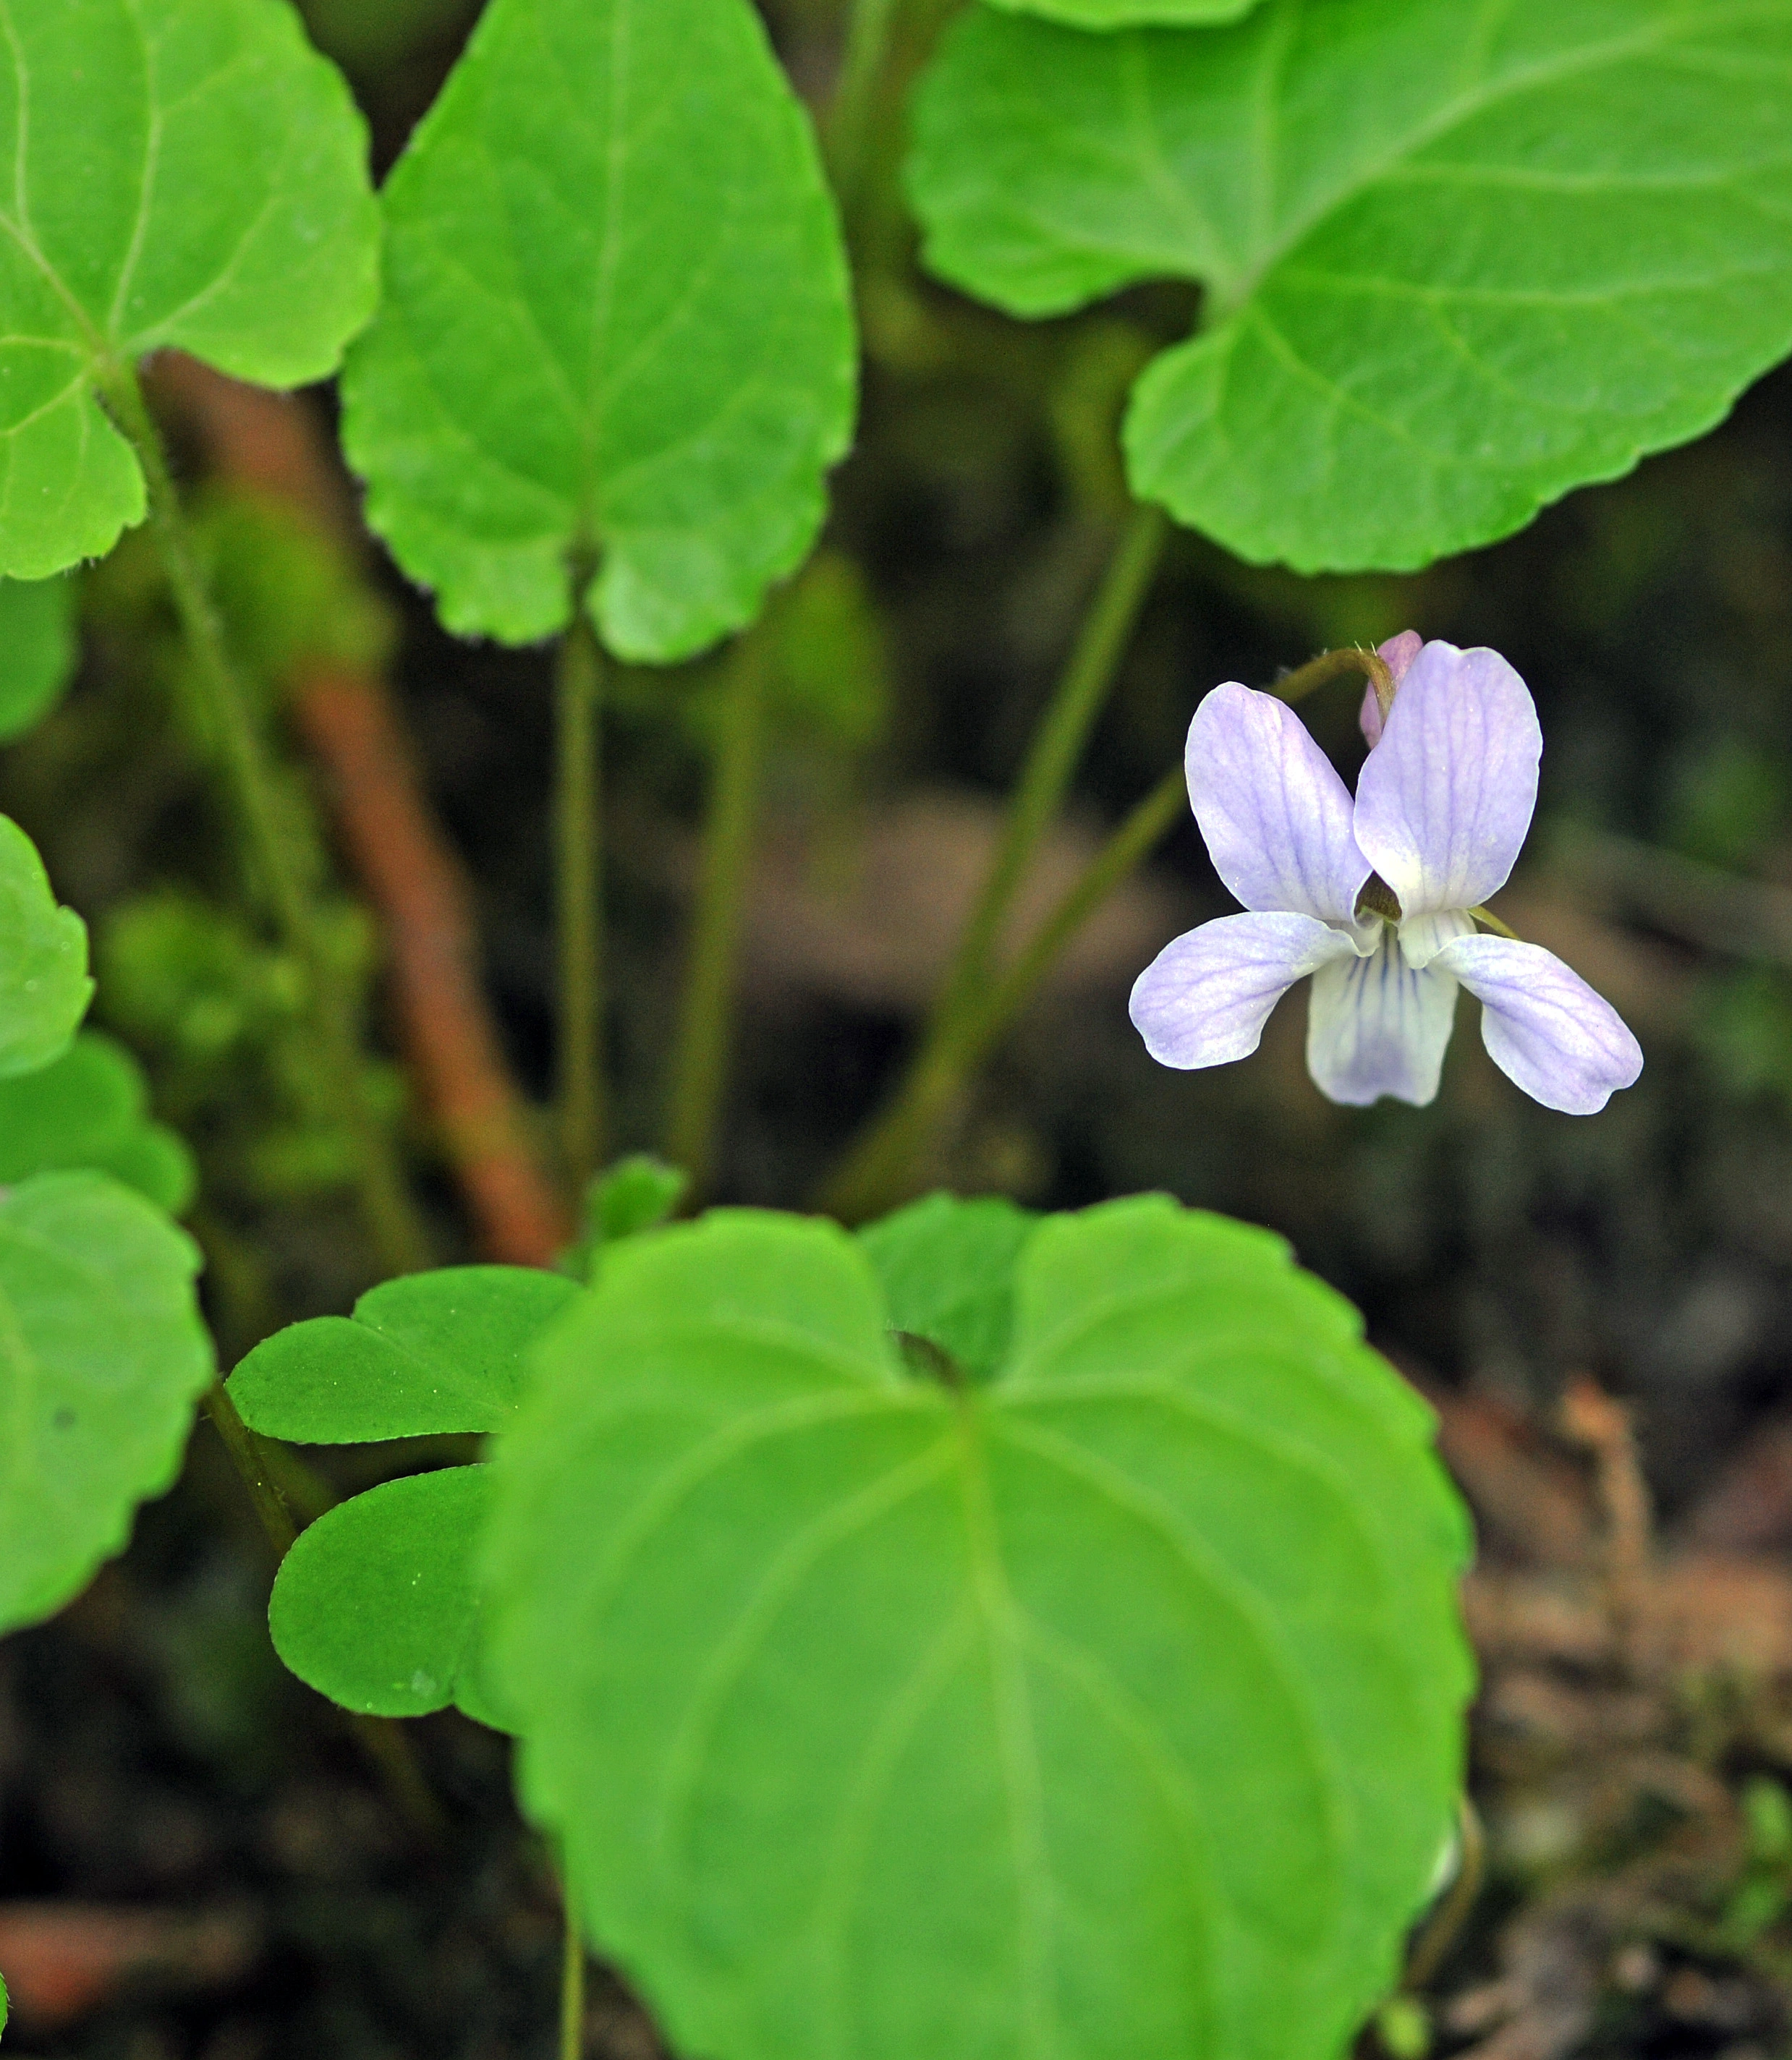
(1337, 665)
(705, 1028)
(281, 872)
(578, 683)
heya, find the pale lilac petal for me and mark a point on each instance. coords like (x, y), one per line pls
(1204, 999)
(1422, 937)
(1377, 1026)
(1543, 1026)
(1275, 815)
(1446, 798)
(1397, 654)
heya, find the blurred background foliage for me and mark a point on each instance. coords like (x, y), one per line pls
(1495, 1246)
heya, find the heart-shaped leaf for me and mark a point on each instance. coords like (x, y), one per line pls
(374, 1605)
(1453, 267)
(89, 1108)
(183, 171)
(616, 322)
(37, 651)
(1109, 1707)
(44, 987)
(102, 1356)
(428, 1353)
(947, 1270)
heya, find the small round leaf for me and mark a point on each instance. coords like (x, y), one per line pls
(429, 1353)
(88, 1108)
(102, 1354)
(44, 987)
(37, 651)
(373, 1607)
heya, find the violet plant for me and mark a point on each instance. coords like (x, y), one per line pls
(929, 1630)
(1379, 901)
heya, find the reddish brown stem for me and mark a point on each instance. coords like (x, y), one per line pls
(347, 716)
(413, 881)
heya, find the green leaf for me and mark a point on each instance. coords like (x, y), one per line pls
(430, 1352)
(616, 320)
(102, 1356)
(637, 1194)
(947, 1270)
(185, 173)
(374, 1605)
(37, 639)
(89, 1108)
(1111, 1708)
(1453, 268)
(44, 987)
(1129, 13)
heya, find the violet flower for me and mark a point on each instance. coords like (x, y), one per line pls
(1374, 898)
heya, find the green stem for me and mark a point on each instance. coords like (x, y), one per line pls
(578, 683)
(700, 1059)
(281, 873)
(881, 1168)
(288, 1495)
(1331, 665)
(1444, 1924)
(875, 1168)
(845, 131)
(249, 1455)
(572, 1985)
(1051, 759)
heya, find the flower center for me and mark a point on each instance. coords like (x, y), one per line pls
(1378, 899)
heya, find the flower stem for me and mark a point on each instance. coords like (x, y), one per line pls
(1331, 665)
(1081, 692)
(880, 1171)
(578, 683)
(700, 1059)
(879, 1166)
(281, 866)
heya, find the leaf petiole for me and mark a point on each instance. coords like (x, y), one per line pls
(280, 869)
(700, 1058)
(572, 1985)
(578, 686)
